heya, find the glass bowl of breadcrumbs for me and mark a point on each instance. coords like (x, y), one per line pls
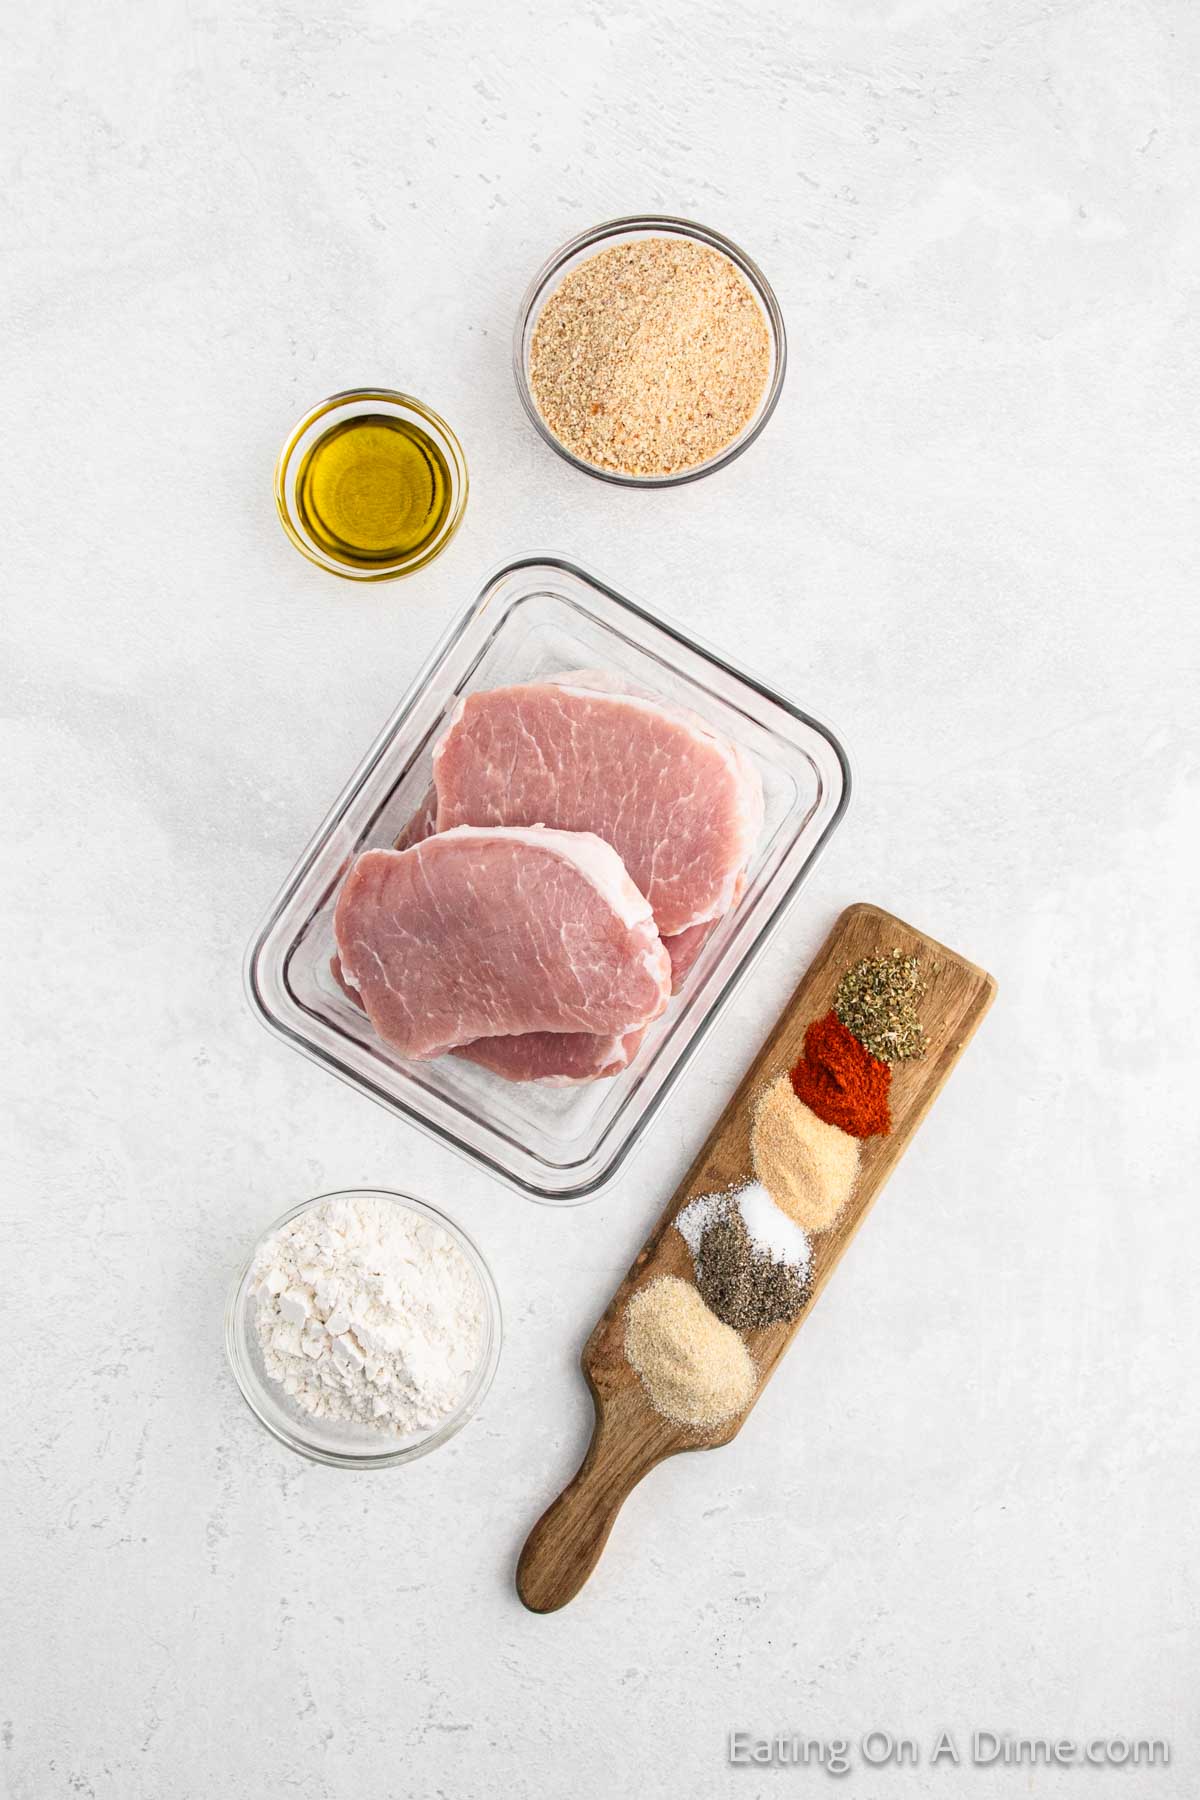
(650, 351)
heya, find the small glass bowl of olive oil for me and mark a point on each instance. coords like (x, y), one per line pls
(371, 484)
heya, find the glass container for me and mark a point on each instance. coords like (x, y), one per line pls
(362, 403)
(341, 1444)
(621, 231)
(535, 618)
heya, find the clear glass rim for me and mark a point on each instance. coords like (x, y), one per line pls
(538, 292)
(247, 1381)
(373, 396)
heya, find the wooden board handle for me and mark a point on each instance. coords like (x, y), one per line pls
(564, 1546)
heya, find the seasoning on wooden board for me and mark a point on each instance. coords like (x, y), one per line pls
(742, 1286)
(650, 357)
(751, 1260)
(877, 1001)
(806, 1165)
(772, 1233)
(841, 1081)
(694, 1369)
(627, 1441)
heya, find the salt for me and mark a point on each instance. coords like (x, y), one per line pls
(770, 1230)
(697, 1216)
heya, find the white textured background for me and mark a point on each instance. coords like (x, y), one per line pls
(967, 538)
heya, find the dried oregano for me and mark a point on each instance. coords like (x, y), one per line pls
(877, 1001)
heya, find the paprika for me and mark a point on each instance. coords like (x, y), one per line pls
(842, 1082)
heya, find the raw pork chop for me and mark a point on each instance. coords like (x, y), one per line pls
(558, 1058)
(684, 947)
(486, 933)
(423, 823)
(681, 805)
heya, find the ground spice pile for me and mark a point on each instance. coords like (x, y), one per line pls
(807, 1164)
(650, 357)
(743, 1287)
(841, 1081)
(753, 1262)
(694, 1369)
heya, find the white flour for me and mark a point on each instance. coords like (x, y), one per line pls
(369, 1313)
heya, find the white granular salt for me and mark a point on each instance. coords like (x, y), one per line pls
(697, 1216)
(369, 1313)
(770, 1230)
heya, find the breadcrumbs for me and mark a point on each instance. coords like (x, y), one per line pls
(650, 357)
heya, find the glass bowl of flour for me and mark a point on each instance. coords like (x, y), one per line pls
(364, 1328)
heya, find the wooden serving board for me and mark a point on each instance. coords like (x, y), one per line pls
(630, 1437)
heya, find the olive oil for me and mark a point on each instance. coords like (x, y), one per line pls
(373, 490)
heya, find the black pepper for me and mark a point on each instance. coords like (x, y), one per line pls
(745, 1287)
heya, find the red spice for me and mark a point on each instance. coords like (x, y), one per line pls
(841, 1082)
